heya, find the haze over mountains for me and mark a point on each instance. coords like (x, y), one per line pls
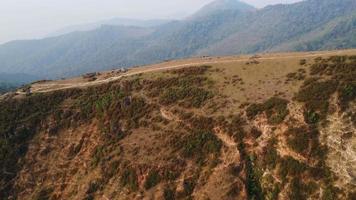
(224, 27)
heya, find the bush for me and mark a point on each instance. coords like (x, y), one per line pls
(316, 97)
(189, 71)
(290, 166)
(189, 185)
(347, 93)
(152, 179)
(270, 154)
(299, 139)
(200, 144)
(303, 62)
(253, 185)
(297, 190)
(275, 108)
(168, 194)
(129, 179)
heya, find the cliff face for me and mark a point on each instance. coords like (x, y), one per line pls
(266, 128)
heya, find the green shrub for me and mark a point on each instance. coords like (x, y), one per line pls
(347, 93)
(316, 97)
(297, 189)
(253, 185)
(168, 194)
(275, 109)
(189, 186)
(292, 167)
(270, 154)
(300, 139)
(152, 180)
(200, 144)
(191, 71)
(129, 179)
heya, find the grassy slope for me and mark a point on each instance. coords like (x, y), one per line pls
(192, 132)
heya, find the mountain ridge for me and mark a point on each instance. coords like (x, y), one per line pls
(274, 28)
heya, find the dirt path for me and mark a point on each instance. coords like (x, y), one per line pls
(49, 87)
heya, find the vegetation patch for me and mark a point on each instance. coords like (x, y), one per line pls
(152, 179)
(341, 69)
(275, 109)
(300, 139)
(19, 121)
(296, 76)
(188, 71)
(129, 179)
(316, 97)
(201, 144)
(290, 166)
(186, 88)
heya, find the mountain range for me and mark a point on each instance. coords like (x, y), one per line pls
(223, 27)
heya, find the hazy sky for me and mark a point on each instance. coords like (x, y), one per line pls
(23, 19)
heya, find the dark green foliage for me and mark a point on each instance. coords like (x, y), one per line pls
(19, 120)
(316, 94)
(275, 109)
(297, 190)
(186, 88)
(113, 105)
(129, 179)
(316, 97)
(311, 117)
(270, 154)
(301, 138)
(253, 185)
(290, 166)
(347, 93)
(200, 144)
(192, 95)
(93, 187)
(168, 194)
(299, 75)
(191, 71)
(152, 180)
(329, 193)
(189, 186)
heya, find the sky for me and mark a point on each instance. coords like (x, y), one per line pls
(27, 19)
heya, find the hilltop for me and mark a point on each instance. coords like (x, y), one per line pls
(269, 126)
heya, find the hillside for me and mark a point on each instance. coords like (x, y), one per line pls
(272, 126)
(224, 27)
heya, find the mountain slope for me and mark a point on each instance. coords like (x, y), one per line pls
(275, 25)
(308, 25)
(278, 126)
(221, 6)
(72, 54)
(111, 22)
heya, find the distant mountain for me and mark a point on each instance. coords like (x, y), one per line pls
(112, 22)
(223, 5)
(9, 82)
(221, 28)
(72, 54)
